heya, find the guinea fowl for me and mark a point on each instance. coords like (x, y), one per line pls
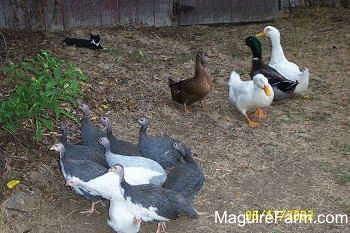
(282, 87)
(139, 203)
(186, 178)
(194, 89)
(119, 146)
(89, 133)
(85, 169)
(138, 170)
(82, 152)
(157, 148)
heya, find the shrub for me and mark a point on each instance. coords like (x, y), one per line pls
(43, 84)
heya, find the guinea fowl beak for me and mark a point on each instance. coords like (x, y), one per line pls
(267, 90)
(261, 34)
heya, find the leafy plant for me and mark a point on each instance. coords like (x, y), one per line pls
(43, 84)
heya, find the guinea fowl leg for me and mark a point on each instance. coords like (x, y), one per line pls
(161, 227)
(250, 122)
(259, 113)
(92, 208)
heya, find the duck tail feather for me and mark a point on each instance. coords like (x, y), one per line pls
(171, 82)
(234, 77)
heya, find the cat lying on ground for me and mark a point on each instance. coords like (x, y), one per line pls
(93, 43)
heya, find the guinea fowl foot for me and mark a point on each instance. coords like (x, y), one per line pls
(92, 209)
(250, 122)
(161, 227)
(259, 113)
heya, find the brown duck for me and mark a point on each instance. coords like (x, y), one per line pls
(191, 90)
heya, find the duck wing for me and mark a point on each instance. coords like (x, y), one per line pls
(183, 89)
(278, 80)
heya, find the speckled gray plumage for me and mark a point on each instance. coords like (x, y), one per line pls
(84, 169)
(169, 204)
(82, 152)
(158, 148)
(119, 146)
(89, 133)
(186, 178)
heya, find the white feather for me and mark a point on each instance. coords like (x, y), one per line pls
(122, 212)
(139, 175)
(246, 95)
(121, 219)
(280, 63)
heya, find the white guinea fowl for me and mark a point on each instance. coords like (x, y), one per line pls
(138, 170)
(121, 219)
(250, 95)
(280, 63)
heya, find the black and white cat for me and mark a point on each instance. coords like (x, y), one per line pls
(93, 43)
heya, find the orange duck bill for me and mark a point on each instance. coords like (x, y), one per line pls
(267, 90)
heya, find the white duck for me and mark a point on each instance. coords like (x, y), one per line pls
(280, 63)
(250, 95)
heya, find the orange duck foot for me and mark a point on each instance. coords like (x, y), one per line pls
(203, 106)
(186, 108)
(251, 123)
(259, 113)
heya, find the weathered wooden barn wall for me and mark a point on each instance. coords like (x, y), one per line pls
(284, 4)
(58, 15)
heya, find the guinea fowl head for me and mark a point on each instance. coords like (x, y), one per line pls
(104, 141)
(106, 122)
(143, 121)
(119, 170)
(182, 148)
(59, 147)
(85, 109)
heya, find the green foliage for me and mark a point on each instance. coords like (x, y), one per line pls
(42, 85)
(341, 175)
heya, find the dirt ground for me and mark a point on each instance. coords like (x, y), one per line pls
(297, 159)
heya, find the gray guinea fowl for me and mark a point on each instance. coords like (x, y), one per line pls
(157, 148)
(186, 178)
(119, 146)
(89, 133)
(84, 169)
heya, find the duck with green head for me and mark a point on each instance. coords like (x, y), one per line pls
(282, 87)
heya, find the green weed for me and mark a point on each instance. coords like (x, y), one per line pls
(42, 85)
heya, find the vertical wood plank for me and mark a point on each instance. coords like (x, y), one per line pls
(145, 12)
(109, 12)
(162, 12)
(127, 11)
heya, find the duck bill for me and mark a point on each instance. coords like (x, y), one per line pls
(267, 90)
(261, 34)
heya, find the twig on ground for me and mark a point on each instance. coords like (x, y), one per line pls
(5, 49)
